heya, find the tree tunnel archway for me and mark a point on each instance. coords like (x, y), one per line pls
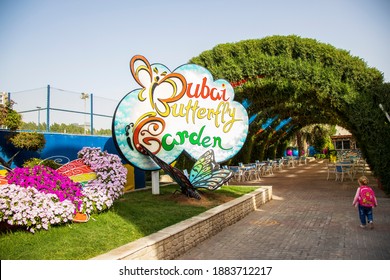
(305, 80)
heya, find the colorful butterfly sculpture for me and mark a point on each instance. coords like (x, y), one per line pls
(206, 173)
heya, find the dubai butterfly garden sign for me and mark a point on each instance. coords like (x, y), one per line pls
(171, 112)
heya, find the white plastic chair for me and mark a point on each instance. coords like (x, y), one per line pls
(279, 164)
(331, 170)
(238, 175)
(359, 166)
(268, 168)
(252, 172)
(341, 170)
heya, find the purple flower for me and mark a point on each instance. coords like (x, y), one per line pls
(110, 179)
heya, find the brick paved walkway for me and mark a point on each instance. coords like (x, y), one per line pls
(309, 218)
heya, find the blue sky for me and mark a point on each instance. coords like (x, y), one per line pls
(86, 46)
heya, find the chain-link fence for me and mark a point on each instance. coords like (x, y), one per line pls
(57, 110)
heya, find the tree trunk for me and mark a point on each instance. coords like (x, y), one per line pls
(299, 142)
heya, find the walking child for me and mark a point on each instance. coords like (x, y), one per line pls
(365, 200)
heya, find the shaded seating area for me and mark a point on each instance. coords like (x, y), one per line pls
(244, 172)
(348, 168)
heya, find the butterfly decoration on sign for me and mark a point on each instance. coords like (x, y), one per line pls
(206, 173)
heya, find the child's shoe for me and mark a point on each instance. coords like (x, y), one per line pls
(363, 226)
(371, 224)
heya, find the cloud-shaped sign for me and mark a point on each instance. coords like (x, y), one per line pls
(172, 112)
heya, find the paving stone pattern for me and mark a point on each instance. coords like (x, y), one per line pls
(309, 218)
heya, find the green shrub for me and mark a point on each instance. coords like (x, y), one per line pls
(320, 156)
(37, 161)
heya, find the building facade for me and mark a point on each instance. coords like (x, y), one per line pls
(343, 140)
(3, 98)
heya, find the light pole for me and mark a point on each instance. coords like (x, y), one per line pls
(384, 111)
(39, 117)
(85, 96)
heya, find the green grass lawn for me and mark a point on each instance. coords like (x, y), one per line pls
(135, 215)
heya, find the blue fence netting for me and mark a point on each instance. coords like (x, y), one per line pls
(51, 105)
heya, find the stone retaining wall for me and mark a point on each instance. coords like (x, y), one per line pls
(173, 241)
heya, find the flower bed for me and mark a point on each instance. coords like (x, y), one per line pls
(108, 186)
(39, 197)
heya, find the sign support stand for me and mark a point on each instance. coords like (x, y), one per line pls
(155, 182)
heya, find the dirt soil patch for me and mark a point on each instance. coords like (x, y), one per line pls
(208, 199)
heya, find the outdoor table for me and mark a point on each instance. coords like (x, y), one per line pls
(342, 168)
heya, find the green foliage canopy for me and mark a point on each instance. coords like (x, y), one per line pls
(311, 82)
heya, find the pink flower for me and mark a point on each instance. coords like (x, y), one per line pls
(46, 180)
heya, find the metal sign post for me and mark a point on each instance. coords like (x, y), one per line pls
(155, 182)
